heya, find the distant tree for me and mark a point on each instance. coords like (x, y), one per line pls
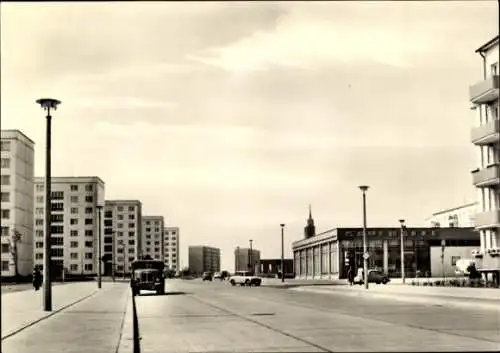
(15, 238)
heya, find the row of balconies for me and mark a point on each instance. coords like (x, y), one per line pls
(486, 177)
(492, 251)
(485, 91)
(488, 219)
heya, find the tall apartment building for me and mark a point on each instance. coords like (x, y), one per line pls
(17, 173)
(122, 235)
(171, 242)
(203, 258)
(152, 233)
(244, 257)
(74, 224)
(485, 135)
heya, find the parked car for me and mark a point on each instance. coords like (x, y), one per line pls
(245, 278)
(374, 276)
(207, 276)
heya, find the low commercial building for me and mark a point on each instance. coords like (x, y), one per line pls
(203, 259)
(328, 254)
(273, 266)
(244, 257)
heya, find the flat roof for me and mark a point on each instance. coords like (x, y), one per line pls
(123, 201)
(486, 46)
(71, 179)
(455, 208)
(15, 132)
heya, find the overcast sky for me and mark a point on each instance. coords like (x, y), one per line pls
(230, 118)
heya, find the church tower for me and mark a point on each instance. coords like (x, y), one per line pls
(310, 229)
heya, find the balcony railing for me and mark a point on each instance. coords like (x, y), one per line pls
(486, 176)
(487, 133)
(485, 91)
(490, 219)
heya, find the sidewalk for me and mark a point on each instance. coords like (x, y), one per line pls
(23, 308)
(93, 325)
(475, 297)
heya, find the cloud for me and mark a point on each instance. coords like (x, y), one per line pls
(303, 40)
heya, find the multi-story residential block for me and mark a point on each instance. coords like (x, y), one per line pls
(122, 235)
(171, 248)
(485, 135)
(152, 237)
(203, 259)
(244, 257)
(74, 224)
(17, 174)
(461, 216)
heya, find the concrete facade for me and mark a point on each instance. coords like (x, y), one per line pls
(448, 262)
(17, 194)
(485, 135)
(461, 216)
(242, 258)
(203, 258)
(171, 248)
(75, 223)
(273, 266)
(122, 238)
(152, 233)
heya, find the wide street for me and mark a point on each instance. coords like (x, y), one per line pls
(215, 317)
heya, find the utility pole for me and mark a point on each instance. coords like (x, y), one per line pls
(402, 221)
(364, 188)
(282, 225)
(99, 256)
(47, 104)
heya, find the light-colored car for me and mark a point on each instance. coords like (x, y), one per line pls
(245, 278)
(218, 275)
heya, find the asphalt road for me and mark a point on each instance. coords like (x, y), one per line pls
(215, 317)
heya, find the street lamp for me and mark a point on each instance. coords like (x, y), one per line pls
(403, 227)
(364, 188)
(282, 225)
(99, 256)
(47, 104)
(250, 257)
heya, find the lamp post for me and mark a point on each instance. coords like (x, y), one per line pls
(47, 104)
(99, 256)
(403, 227)
(250, 257)
(282, 225)
(364, 188)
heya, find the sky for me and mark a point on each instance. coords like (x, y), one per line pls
(230, 118)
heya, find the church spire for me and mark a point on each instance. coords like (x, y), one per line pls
(310, 229)
(310, 213)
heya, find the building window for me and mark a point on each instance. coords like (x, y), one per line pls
(88, 267)
(5, 146)
(73, 244)
(120, 208)
(5, 197)
(39, 222)
(131, 234)
(39, 199)
(39, 233)
(56, 218)
(40, 187)
(131, 242)
(73, 221)
(5, 248)
(119, 250)
(57, 206)
(89, 198)
(88, 255)
(5, 264)
(74, 199)
(89, 233)
(88, 210)
(108, 214)
(89, 187)
(5, 163)
(73, 267)
(57, 230)
(174, 232)
(454, 260)
(74, 187)
(73, 233)
(89, 244)
(39, 211)
(74, 210)
(120, 217)
(131, 250)
(120, 234)
(38, 256)
(39, 244)
(5, 180)
(57, 195)
(56, 252)
(131, 225)
(5, 214)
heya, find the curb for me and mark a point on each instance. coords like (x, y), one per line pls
(435, 300)
(52, 313)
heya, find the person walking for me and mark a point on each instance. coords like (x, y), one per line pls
(37, 278)
(350, 276)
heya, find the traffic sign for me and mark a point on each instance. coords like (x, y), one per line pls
(366, 256)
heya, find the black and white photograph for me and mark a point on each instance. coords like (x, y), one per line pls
(250, 176)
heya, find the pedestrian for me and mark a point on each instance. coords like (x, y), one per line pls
(37, 278)
(350, 276)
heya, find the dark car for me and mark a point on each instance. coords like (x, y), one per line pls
(147, 275)
(207, 276)
(374, 276)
